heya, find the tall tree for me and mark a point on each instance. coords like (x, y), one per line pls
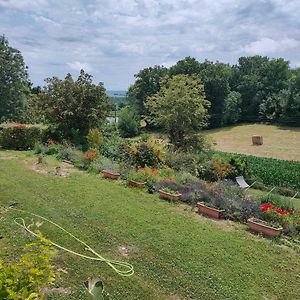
(186, 66)
(147, 83)
(73, 105)
(180, 107)
(14, 83)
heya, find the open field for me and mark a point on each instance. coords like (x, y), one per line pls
(279, 142)
(176, 253)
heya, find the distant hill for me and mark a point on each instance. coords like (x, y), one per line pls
(116, 92)
(117, 96)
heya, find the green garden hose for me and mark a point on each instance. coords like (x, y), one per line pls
(121, 268)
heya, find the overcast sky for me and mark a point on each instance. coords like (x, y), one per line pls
(114, 39)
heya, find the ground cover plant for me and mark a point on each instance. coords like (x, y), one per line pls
(162, 241)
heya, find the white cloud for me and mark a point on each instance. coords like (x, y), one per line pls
(115, 38)
(77, 66)
(268, 46)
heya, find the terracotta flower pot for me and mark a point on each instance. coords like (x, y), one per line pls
(136, 183)
(168, 196)
(209, 211)
(255, 225)
(40, 159)
(110, 175)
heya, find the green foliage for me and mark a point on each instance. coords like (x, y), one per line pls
(14, 83)
(128, 125)
(147, 153)
(47, 149)
(179, 107)
(94, 138)
(20, 136)
(73, 107)
(25, 278)
(272, 172)
(138, 176)
(147, 84)
(115, 147)
(232, 108)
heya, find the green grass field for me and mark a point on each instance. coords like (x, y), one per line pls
(176, 253)
(279, 142)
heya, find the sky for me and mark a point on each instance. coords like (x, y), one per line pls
(114, 39)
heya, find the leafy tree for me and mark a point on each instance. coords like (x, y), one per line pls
(73, 107)
(186, 66)
(127, 123)
(216, 78)
(147, 84)
(232, 108)
(180, 107)
(14, 83)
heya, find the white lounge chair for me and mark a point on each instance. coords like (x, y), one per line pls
(242, 183)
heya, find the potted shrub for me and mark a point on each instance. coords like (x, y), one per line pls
(208, 210)
(137, 179)
(169, 194)
(270, 229)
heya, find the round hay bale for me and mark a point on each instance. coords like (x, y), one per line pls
(257, 140)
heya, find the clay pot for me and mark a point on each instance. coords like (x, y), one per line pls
(209, 211)
(136, 183)
(168, 196)
(255, 225)
(110, 175)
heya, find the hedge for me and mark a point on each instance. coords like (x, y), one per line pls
(20, 136)
(270, 171)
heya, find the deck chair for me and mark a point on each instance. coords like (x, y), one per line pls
(242, 183)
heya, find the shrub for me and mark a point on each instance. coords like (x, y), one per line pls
(94, 138)
(147, 153)
(138, 176)
(73, 155)
(20, 136)
(222, 168)
(181, 161)
(115, 148)
(100, 163)
(127, 123)
(237, 205)
(25, 278)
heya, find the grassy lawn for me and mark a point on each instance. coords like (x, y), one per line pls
(176, 253)
(279, 142)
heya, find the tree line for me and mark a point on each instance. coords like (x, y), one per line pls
(256, 88)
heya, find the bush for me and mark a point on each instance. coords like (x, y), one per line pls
(100, 163)
(147, 153)
(25, 278)
(181, 161)
(237, 205)
(127, 123)
(73, 155)
(20, 136)
(115, 148)
(94, 138)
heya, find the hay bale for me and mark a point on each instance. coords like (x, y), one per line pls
(257, 140)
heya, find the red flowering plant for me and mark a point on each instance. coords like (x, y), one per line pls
(286, 217)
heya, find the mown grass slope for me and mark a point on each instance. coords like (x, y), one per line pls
(176, 253)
